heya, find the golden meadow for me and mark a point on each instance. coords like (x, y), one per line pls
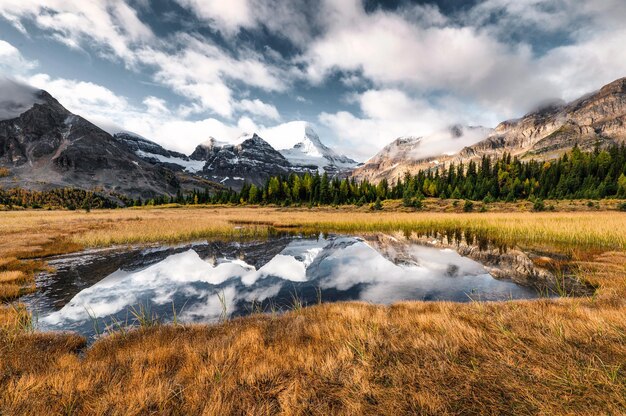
(548, 356)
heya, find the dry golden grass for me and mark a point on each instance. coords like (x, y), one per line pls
(565, 356)
(542, 357)
(13, 276)
(32, 229)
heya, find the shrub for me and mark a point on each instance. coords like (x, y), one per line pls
(468, 206)
(376, 206)
(538, 205)
(622, 207)
(412, 203)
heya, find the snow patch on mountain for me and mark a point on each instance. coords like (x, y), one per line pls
(189, 165)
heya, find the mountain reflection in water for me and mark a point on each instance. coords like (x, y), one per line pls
(198, 280)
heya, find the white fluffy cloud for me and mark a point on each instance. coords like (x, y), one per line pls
(422, 70)
(12, 61)
(287, 19)
(113, 26)
(229, 15)
(191, 66)
(201, 71)
(259, 108)
(390, 50)
(387, 114)
(80, 97)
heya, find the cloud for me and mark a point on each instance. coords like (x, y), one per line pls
(83, 98)
(392, 51)
(112, 27)
(15, 98)
(259, 108)
(190, 65)
(506, 17)
(228, 16)
(201, 72)
(587, 65)
(12, 61)
(387, 114)
(294, 20)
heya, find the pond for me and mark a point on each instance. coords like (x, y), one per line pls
(206, 281)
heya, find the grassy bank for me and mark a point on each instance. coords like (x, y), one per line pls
(565, 356)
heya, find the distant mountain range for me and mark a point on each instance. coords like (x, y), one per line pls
(44, 146)
(250, 159)
(597, 119)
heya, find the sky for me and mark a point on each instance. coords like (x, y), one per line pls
(361, 72)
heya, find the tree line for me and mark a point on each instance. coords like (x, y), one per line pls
(575, 175)
(70, 198)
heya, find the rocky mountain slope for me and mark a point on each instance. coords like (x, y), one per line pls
(597, 119)
(48, 147)
(414, 153)
(157, 155)
(252, 160)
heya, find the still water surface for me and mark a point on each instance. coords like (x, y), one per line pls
(204, 282)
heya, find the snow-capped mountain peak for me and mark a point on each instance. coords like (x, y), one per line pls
(298, 142)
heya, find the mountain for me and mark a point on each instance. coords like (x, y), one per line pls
(301, 146)
(596, 119)
(253, 160)
(414, 153)
(48, 147)
(156, 154)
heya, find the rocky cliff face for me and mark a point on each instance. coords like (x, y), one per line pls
(252, 161)
(48, 147)
(597, 119)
